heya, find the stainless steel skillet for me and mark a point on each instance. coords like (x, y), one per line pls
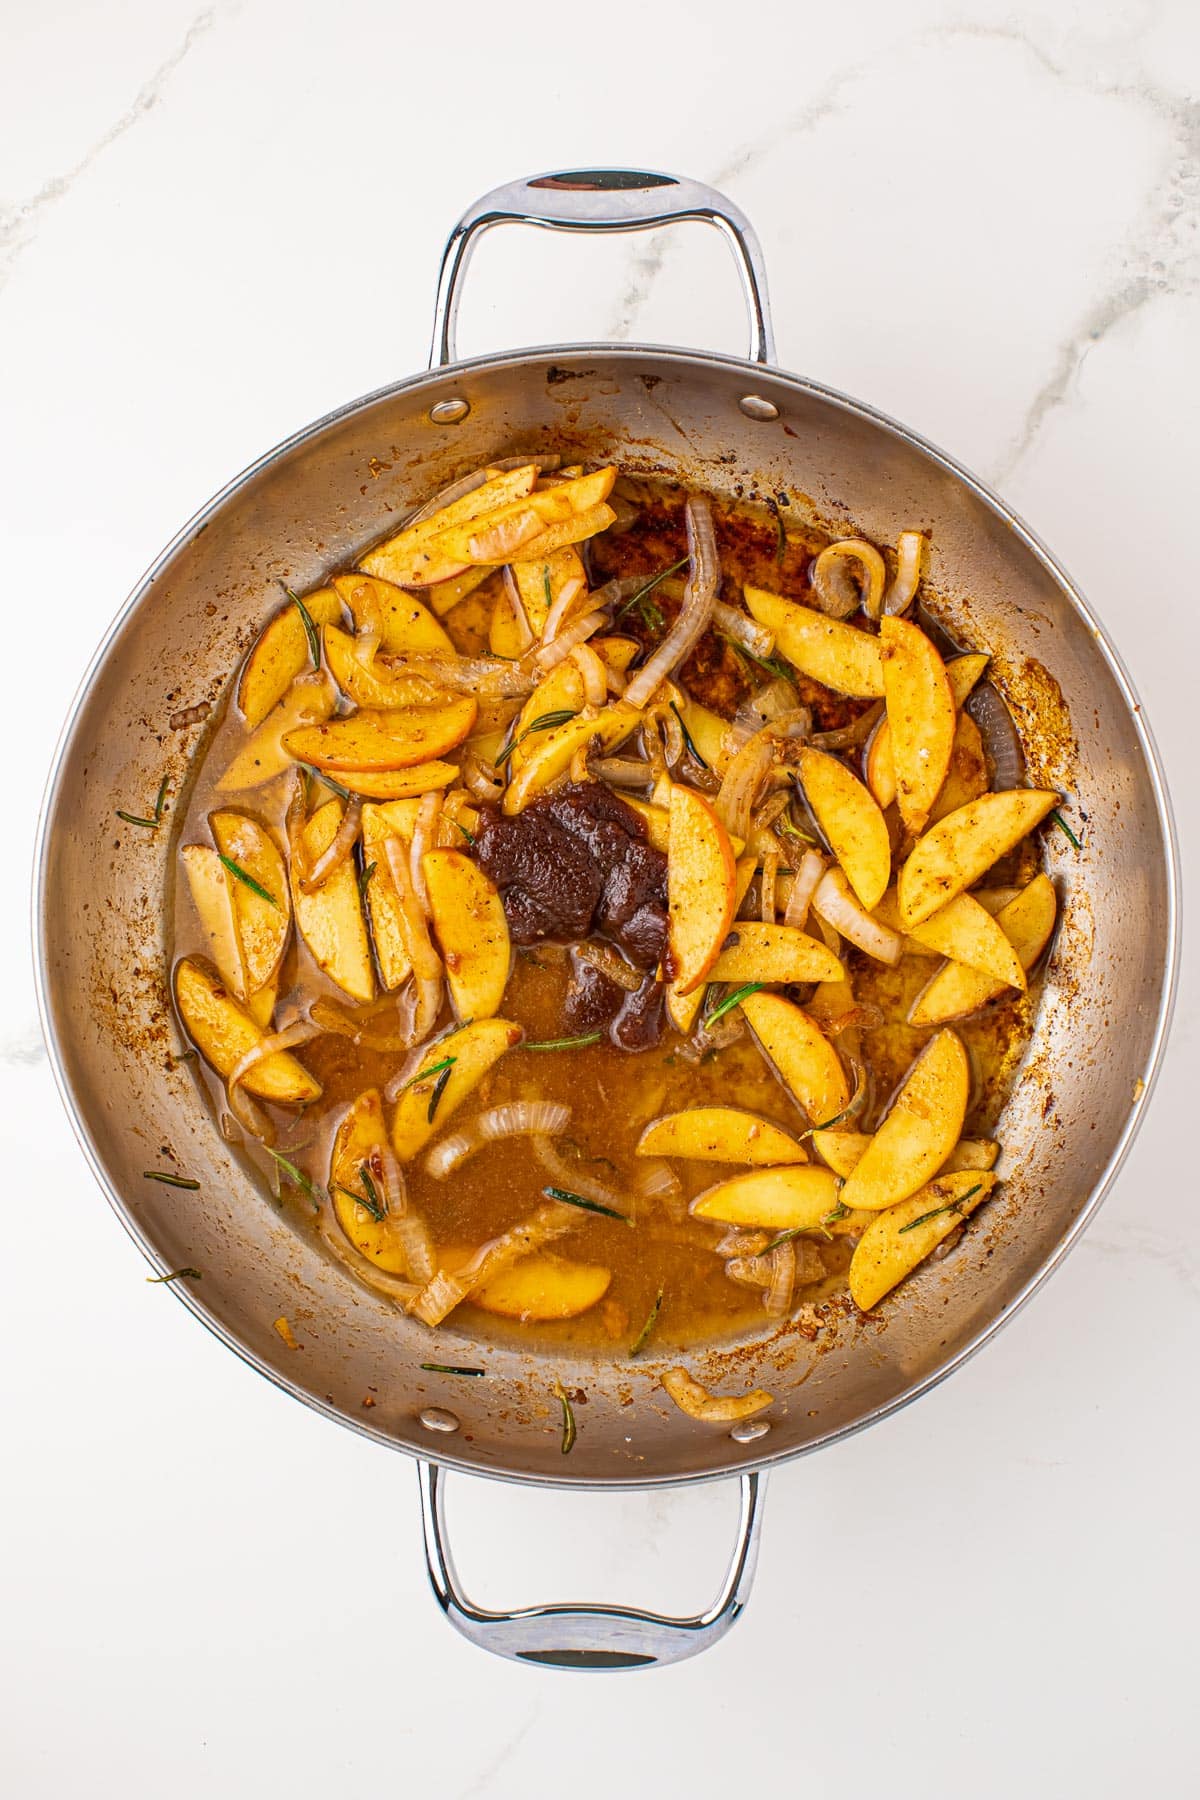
(730, 425)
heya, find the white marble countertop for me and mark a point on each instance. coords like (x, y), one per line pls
(982, 216)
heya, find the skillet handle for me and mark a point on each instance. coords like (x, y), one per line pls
(586, 1636)
(602, 200)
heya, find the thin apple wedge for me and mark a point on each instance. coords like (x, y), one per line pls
(224, 1033)
(209, 888)
(955, 991)
(851, 821)
(258, 892)
(406, 625)
(443, 596)
(960, 848)
(708, 732)
(842, 1151)
(539, 584)
(450, 1069)
(798, 1198)
(406, 559)
(538, 1288)
(967, 777)
(840, 656)
(966, 933)
(962, 672)
(330, 919)
(656, 819)
(509, 635)
(551, 750)
(281, 652)
(398, 784)
(500, 535)
(898, 1240)
(803, 1057)
(263, 756)
(374, 684)
(701, 879)
(558, 693)
(360, 1199)
(575, 530)
(922, 1127)
(972, 1153)
(721, 1134)
(773, 953)
(471, 932)
(920, 710)
(397, 818)
(370, 741)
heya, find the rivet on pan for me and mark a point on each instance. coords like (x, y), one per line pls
(436, 1418)
(748, 1430)
(449, 412)
(755, 407)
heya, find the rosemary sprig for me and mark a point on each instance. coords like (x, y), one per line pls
(734, 999)
(240, 874)
(651, 617)
(364, 879)
(828, 1124)
(570, 1199)
(651, 1321)
(296, 1176)
(688, 740)
(155, 819)
(547, 590)
(571, 1043)
(187, 1274)
(546, 722)
(569, 1432)
(953, 1206)
(789, 828)
(439, 1088)
(458, 826)
(769, 663)
(424, 1074)
(822, 1225)
(376, 1205)
(310, 630)
(370, 1205)
(1064, 827)
(320, 774)
(451, 1369)
(179, 1181)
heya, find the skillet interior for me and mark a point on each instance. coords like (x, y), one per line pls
(306, 509)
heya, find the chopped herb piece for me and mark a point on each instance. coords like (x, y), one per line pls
(734, 999)
(688, 740)
(828, 1124)
(451, 1369)
(364, 879)
(439, 1088)
(570, 1199)
(568, 1418)
(651, 616)
(469, 835)
(572, 1043)
(185, 1056)
(370, 1206)
(179, 1181)
(424, 1074)
(547, 590)
(546, 722)
(296, 1176)
(1064, 827)
(310, 630)
(651, 1320)
(781, 542)
(255, 887)
(155, 819)
(954, 1206)
(376, 1205)
(770, 664)
(788, 826)
(320, 775)
(822, 1225)
(178, 1275)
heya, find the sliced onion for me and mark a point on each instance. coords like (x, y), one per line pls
(330, 1017)
(835, 902)
(782, 1266)
(249, 1115)
(521, 1118)
(910, 557)
(804, 886)
(543, 463)
(480, 778)
(429, 1004)
(738, 1241)
(715, 1409)
(622, 771)
(627, 514)
(611, 964)
(550, 655)
(595, 675)
(454, 490)
(849, 737)
(301, 1031)
(704, 578)
(414, 928)
(1000, 737)
(340, 849)
(837, 592)
(394, 1287)
(656, 1179)
(487, 677)
(743, 629)
(749, 1271)
(768, 879)
(517, 606)
(369, 635)
(571, 1176)
(444, 1291)
(777, 697)
(557, 616)
(422, 838)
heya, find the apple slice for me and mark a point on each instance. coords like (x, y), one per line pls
(955, 991)
(539, 584)
(922, 1127)
(971, 1153)
(575, 530)
(260, 926)
(557, 693)
(509, 635)
(383, 740)
(851, 821)
(720, 1134)
(805, 1060)
(443, 596)
(398, 818)
(282, 652)
(966, 933)
(406, 558)
(920, 710)
(471, 930)
(550, 751)
(656, 819)
(500, 535)
(224, 1032)
(210, 896)
(843, 1151)
(766, 953)
(263, 756)
(791, 1199)
(398, 784)
(899, 1239)
(962, 672)
(701, 880)
(374, 684)
(837, 655)
(407, 626)
(955, 852)
(968, 776)
(538, 1288)
(361, 1139)
(450, 1069)
(330, 919)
